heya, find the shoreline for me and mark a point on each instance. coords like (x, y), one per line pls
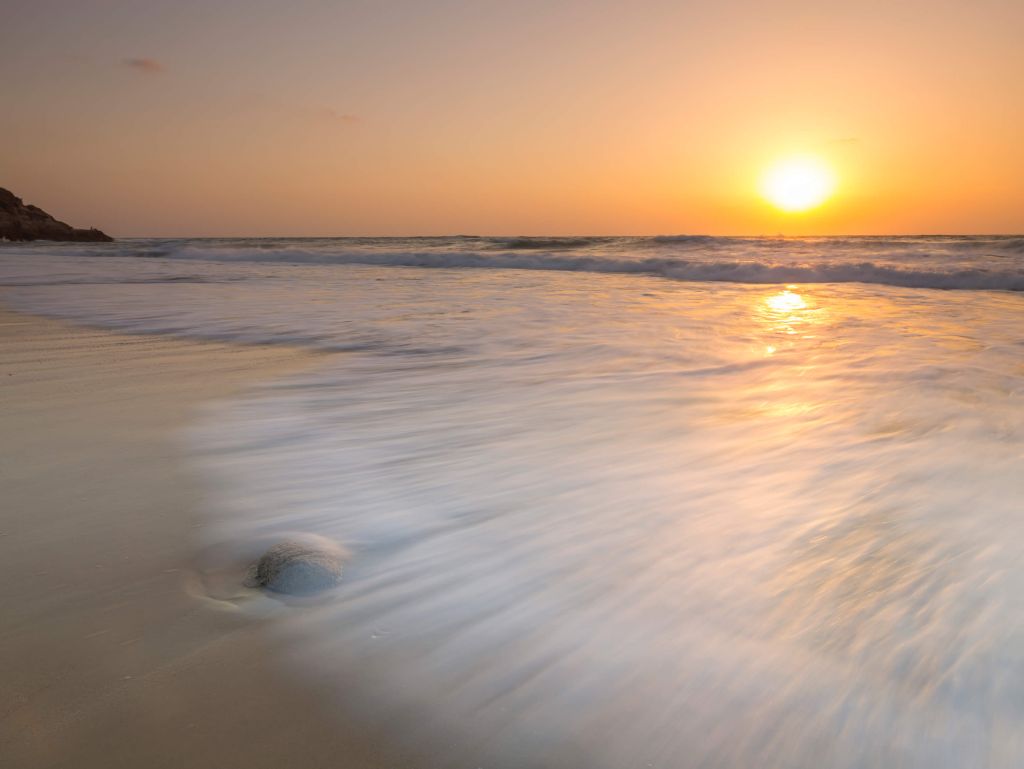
(107, 658)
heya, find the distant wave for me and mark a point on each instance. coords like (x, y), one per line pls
(701, 240)
(532, 243)
(1013, 244)
(939, 262)
(674, 268)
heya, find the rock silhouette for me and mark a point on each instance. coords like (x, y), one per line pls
(25, 222)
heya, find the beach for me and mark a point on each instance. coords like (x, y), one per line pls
(609, 503)
(108, 658)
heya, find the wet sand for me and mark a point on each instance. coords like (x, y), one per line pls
(106, 658)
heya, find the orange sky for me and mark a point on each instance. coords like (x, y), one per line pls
(247, 117)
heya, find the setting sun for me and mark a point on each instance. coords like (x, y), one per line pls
(798, 184)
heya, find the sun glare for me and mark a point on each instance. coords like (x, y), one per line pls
(798, 184)
(787, 301)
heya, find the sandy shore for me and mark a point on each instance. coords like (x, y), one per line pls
(105, 658)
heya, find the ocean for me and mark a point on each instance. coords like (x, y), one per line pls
(618, 502)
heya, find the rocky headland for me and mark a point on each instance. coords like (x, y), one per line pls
(19, 221)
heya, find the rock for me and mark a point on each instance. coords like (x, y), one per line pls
(298, 568)
(25, 222)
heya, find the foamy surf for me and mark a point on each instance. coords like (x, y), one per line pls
(662, 548)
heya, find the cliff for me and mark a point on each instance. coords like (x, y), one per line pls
(21, 222)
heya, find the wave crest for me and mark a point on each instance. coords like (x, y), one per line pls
(674, 268)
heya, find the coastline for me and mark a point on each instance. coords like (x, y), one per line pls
(107, 660)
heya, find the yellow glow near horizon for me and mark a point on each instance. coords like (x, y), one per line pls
(798, 184)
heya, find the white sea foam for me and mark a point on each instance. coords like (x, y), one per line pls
(610, 520)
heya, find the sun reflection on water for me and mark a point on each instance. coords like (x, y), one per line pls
(787, 322)
(786, 301)
(788, 312)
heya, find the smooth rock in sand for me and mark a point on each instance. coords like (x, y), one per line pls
(297, 568)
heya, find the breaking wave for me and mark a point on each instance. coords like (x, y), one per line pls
(674, 268)
(932, 262)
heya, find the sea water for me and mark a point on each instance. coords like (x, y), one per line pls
(621, 502)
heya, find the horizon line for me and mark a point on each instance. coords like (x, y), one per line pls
(775, 236)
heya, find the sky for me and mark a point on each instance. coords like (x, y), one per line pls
(258, 118)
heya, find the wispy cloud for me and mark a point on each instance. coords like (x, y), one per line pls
(146, 66)
(332, 115)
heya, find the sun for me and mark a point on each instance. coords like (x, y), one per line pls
(798, 183)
